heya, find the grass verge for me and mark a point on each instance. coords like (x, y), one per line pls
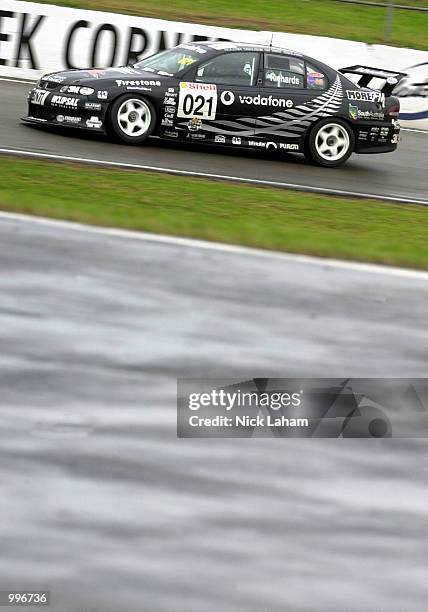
(361, 230)
(319, 17)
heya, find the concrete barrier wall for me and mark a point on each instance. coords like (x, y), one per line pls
(38, 38)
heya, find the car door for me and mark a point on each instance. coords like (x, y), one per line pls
(289, 90)
(216, 105)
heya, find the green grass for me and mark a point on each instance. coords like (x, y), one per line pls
(266, 218)
(320, 17)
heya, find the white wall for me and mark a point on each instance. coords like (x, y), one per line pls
(39, 38)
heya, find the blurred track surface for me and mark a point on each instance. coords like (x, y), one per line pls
(400, 174)
(100, 501)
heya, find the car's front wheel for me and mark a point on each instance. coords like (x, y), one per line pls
(330, 143)
(132, 119)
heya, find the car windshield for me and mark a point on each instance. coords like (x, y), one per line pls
(170, 62)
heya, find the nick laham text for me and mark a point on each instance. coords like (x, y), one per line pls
(247, 421)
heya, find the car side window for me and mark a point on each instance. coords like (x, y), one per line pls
(315, 79)
(229, 69)
(283, 71)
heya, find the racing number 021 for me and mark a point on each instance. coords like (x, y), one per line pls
(197, 100)
(196, 106)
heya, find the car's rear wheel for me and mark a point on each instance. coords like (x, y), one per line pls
(330, 143)
(132, 119)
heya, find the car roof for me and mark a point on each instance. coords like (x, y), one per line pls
(219, 45)
(215, 47)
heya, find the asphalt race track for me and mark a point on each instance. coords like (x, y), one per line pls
(401, 174)
(102, 503)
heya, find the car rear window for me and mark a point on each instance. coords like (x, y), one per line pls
(315, 78)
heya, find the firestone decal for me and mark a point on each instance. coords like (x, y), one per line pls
(137, 83)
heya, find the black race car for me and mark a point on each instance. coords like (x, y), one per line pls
(229, 94)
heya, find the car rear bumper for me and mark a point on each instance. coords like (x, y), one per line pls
(378, 149)
(377, 137)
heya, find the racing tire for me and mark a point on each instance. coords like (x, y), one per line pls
(132, 119)
(330, 143)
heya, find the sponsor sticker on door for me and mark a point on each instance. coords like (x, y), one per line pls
(197, 100)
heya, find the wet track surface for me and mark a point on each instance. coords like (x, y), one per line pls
(402, 173)
(102, 503)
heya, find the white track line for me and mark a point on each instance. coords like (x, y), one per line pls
(216, 246)
(17, 81)
(222, 177)
(415, 130)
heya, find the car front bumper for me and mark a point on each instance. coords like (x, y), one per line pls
(54, 108)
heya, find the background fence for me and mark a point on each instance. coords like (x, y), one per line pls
(390, 6)
(409, 6)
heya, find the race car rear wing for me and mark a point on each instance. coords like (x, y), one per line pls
(370, 77)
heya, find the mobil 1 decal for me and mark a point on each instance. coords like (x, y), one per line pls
(197, 100)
